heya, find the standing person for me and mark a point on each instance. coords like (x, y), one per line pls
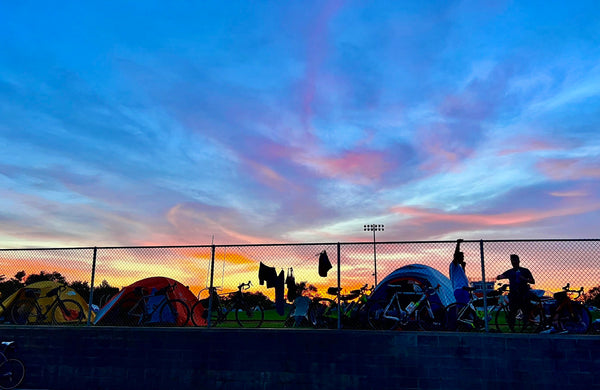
(458, 276)
(519, 279)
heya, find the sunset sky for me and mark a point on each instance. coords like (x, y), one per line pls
(143, 122)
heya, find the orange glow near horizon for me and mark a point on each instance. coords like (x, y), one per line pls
(553, 264)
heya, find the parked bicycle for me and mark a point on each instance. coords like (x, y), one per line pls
(246, 313)
(471, 317)
(531, 321)
(419, 314)
(565, 314)
(352, 307)
(27, 309)
(312, 311)
(154, 308)
(12, 371)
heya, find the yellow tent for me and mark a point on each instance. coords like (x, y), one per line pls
(45, 294)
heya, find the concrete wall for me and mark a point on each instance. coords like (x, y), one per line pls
(239, 359)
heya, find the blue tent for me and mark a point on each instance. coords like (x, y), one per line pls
(417, 277)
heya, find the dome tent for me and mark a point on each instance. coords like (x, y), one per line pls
(417, 277)
(114, 312)
(44, 288)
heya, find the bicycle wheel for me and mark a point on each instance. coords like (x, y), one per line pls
(12, 372)
(576, 320)
(25, 312)
(431, 320)
(501, 320)
(129, 312)
(296, 322)
(199, 314)
(376, 319)
(67, 312)
(459, 318)
(174, 312)
(249, 316)
(536, 319)
(320, 313)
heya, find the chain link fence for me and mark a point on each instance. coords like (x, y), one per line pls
(98, 274)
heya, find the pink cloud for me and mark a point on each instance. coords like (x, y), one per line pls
(570, 169)
(424, 216)
(568, 194)
(441, 149)
(359, 167)
(191, 222)
(524, 145)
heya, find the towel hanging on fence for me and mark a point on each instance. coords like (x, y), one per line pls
(290, 282)
(324, 264)
(268, 274)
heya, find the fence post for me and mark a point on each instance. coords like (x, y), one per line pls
(91, 301)
(339, 311)
(210, 288)
(485, 306)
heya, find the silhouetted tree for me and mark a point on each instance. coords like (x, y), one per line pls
(43, 276)
(103, 292)
(81, 288)
(12, 285)
(592, 297)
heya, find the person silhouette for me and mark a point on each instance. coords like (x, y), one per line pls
(458, 277)
(519, 279)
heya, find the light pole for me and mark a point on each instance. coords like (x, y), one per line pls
(374, 228)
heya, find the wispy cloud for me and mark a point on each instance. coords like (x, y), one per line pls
(296, 121)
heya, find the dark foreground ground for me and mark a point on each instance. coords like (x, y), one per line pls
(291, 359)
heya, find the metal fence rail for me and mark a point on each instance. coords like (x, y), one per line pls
(553, 263)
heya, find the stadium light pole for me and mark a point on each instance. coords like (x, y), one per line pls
(374, 228)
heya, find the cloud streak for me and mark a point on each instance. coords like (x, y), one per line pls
(279, 122)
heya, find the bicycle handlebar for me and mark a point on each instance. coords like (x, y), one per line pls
(567, 289)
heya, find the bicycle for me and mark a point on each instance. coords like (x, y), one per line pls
(154, 308)
(12, 371)
(312, 311)
(565, 314)
(418, 314)
(27, 310)
(247, 315)
(471, 316)
(531, 322)
(352, 307)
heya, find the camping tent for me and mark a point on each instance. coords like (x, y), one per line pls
(44, 287)
(417, 277)
(115, 312)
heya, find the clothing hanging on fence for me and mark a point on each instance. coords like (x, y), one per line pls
(290, 282)
(268, 274)
(324, 264)
(280, 294)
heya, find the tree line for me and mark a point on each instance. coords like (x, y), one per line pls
(9, 286)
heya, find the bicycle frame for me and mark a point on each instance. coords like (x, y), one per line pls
(43, 314)
(144, 310)
(411, 308)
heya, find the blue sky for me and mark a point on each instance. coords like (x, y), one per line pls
(138, 123)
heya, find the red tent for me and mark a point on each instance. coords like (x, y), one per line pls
(123, 307)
